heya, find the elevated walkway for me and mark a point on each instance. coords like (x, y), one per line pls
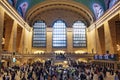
(8, 55)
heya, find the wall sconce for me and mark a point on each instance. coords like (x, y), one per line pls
(118, 47)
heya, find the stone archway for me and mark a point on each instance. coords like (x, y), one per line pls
(38, 11)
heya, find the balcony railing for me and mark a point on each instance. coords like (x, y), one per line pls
(8, 55)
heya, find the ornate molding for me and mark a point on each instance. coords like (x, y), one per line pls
(14, 14)
(109, 14)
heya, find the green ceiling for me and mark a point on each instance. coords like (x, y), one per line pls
(88, 3)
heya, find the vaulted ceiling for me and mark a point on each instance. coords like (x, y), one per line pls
(49, 10)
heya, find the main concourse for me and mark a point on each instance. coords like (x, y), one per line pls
(59, 39)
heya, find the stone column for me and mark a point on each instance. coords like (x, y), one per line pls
(108, 38)
(91, 39)
(1, 26)
(14, 36)
(69, 40)
(1, 31)
(49, 40)
(12, 45)
(23, 41)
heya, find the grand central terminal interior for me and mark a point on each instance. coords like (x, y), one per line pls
(58, 38)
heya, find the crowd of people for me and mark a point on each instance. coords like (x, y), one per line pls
(48, 71)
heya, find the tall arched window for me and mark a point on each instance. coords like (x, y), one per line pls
(79, 34)
(59, 34)
(39, 34)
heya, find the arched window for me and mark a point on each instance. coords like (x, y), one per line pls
(39, 34)
(79, 34)
(59, 34)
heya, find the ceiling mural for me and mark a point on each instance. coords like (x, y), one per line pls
(98, 10)
(98, 7)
